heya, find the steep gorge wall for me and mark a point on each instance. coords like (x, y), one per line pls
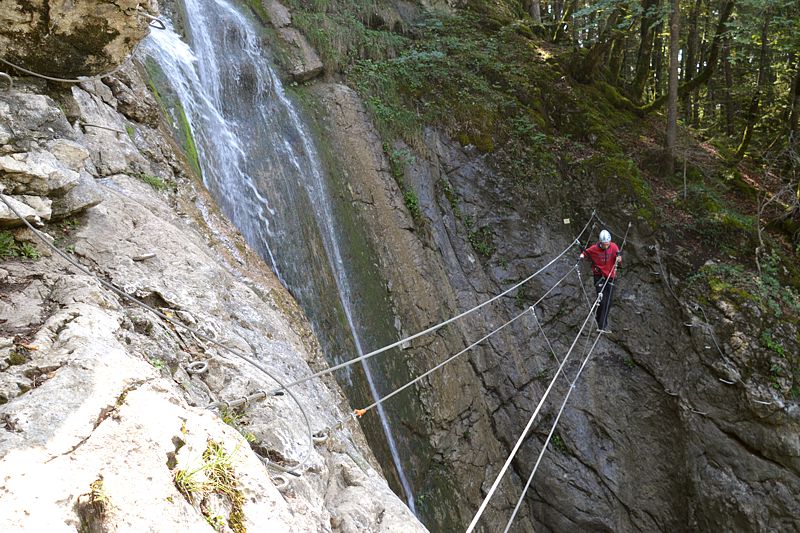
(663, 432)
(103, 428)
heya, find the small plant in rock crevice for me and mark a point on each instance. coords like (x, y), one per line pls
(10, 247)
(155, 182)
(558, 444)
(215, 475)
(98, 498)
(235, 420)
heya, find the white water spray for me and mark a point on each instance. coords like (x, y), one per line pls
(256, 157)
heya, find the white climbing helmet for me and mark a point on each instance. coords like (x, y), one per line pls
(605, 236)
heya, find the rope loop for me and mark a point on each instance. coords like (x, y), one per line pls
(9, 79)
(321, 436)
(155, 22)
(197, 367)
(281, 482)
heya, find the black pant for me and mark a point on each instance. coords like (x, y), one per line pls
(605, 303)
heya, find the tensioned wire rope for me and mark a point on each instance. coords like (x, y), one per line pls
(445, 322)
(81, 79)
(560, 411)
(552, 430)
(531, 308)
(120, 292)
(528, 426)
(281, 386)
(258, 395)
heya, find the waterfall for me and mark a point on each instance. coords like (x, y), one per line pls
(261, 167)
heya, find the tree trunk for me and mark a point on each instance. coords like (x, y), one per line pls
(588, 68)
(616, 58)
(794, 106)
(658, 62)
(690, 65)
(672, 105)
(752, 111)
(730, 107)
(536, 11)
(645, 52)
(564, 19)
(708, 70)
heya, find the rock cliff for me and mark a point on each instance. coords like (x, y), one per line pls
(687, 415)
(104, 424)
(67, 39)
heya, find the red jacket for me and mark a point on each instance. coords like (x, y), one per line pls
(602, 260)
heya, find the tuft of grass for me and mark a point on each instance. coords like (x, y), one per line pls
(30, 251)
(154, 181)
(215, 475)
(235, 420)
(481, 241)
(10, 247)
(98, 498)
(558, 444)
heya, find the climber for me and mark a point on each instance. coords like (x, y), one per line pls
(605, 257)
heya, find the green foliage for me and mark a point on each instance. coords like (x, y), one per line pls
(154, 181)
(481, 241)
(130, 130)
(236, 421)
(412, 203)
(10, 247)
(215, 475)
(716, 220)
(29, 251)
(768, 342)
(486, 88)
(558, 444)
(157, 363)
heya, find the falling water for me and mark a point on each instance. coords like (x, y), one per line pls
(260, 164)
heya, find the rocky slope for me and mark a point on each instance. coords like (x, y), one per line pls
(687, 416)
(103, 428)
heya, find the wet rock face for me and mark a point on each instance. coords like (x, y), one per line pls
(662, 432)
(95, 395)
(66, 39)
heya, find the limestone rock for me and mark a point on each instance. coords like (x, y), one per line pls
(133, 97)
(27, 120)
(279, 15)
(36, 172)
(67, 39)
(9, 219)
(72, 154)
(94, 394)
(304, 61)
(85, 195)
(111, 149)
(40, 204)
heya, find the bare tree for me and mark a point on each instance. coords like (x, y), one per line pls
(672, 92)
